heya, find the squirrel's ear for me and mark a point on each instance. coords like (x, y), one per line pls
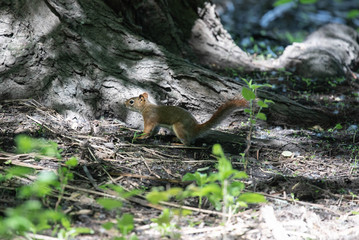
(143, 96)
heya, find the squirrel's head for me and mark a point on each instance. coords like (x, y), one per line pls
(137, 103)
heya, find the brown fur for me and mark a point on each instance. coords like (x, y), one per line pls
(184, 125)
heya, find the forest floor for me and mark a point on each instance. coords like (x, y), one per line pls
(311, 192)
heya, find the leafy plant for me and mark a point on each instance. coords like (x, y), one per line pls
(137, 135)
(308, 1)
(294, 37)
(30, 216)
(125, 223)
(336, 127)
(165, 224)
(281, 2)
(231, 196)
(354, 154)
(250, 95)
(68, 232)
(26, 144)
(353, 14)
(222, 188)
(308, 81)
(201, 179)
(41, 187)
(17, 171)
(157, 195)
(65, 175)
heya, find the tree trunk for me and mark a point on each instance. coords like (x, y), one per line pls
(84, 58)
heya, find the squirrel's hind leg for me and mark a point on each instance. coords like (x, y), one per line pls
(182, 133)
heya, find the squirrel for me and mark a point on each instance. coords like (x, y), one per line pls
(183, 124)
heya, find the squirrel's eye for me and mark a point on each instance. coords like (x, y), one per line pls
(131, 102)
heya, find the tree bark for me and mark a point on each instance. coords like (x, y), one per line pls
(332, 50)
(84, 58)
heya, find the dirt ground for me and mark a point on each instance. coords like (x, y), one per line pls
(312, 194)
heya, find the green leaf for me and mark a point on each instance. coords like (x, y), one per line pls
(240, 175)
(200, 178)
(261, 116)
(210, 189)
(256, 86)
(202, 169)
(225, 169)
(109, 203)
(248, 94)
(164, 219)
(245, 80)
(36, 189)
(338, 126)
(242, 204)
(18, 171)
(181, 212)
(32, 205)
(18, 223)
(252, 198)
(125, 224)
(216, 201)
(108, 225)
(53, 215)
(308, 1)
(268, 101)
(174, 191)
(262, 104)
(47, 148)
(72, 162)
(246, 110)
(155, 197)
(281, 2)
(114, 187)
(353, 14)
(189, 177)
(66, 223)
(81, 230)
(217, 150)
(236, 188)
(267, 85)
(24, 144)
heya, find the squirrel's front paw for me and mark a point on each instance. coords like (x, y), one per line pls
(143, 136)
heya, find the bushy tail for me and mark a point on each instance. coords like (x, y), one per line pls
(221, 113)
